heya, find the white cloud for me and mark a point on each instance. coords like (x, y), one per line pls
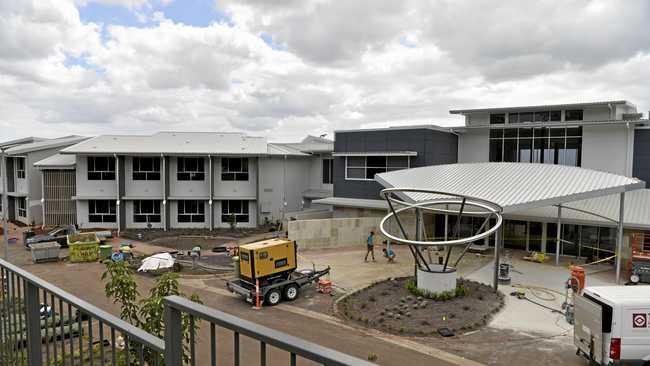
(334, 64)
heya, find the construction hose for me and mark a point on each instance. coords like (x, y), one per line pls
(538, 290)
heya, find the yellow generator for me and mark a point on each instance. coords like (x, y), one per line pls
(267, 271)
(267, 260)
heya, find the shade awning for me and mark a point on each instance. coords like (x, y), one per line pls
(376, 153)
(513, 186)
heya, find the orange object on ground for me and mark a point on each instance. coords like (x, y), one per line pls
(325, 286)
(578, 273)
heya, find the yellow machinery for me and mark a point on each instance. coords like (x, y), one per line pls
(267, 272)
(267, 260)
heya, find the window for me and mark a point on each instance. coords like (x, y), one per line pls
(538, 116)
(498, 118)
(20, 168)
(22, 207)
(573, 115)
(190, 169)
(234, 169)
(101, 168)
(365, 167)
(146, 211)
(191, 211)
(102, 211)
(328, 169)
(146, 168)
(238, 208)
(537, 145)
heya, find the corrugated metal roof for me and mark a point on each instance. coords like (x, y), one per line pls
(513, 186)
(376, 153)
(353, 202)
(57, 161)
(542, 106)
(24, 140)
(45, 144)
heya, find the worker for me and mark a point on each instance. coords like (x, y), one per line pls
(370, 245)
(388, 252)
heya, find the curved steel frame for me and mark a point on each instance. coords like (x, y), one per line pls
(489, 210)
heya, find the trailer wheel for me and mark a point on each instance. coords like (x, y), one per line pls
(291, 292)
(273, 297)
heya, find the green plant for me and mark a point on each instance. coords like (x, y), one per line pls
(146, 313)
(459, 291)
(232, 220)
(372, 357)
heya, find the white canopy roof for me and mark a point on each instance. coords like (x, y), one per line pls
(513, 186)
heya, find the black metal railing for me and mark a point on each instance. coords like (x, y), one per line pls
(41, 324)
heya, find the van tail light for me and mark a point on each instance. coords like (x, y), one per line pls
(615, 349)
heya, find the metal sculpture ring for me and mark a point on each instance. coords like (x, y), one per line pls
(489, 210)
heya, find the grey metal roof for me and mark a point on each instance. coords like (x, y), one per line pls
(376, 153)
(24, 140)
(405, 127)
(45, 144)
(513, 186)
(57, 161)
(181, 143)
(283, 149)
(353, 202)
(543, 106)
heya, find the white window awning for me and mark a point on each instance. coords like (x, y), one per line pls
(377, 153)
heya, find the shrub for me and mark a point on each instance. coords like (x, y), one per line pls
(461, 290)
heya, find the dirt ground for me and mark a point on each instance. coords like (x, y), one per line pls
(390, 306)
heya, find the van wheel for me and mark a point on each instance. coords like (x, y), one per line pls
(273, 297)
(291, 292)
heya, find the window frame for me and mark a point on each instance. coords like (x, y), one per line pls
(387, 167)
(497, 118)
(22, 211)
(542, 139)
(141, 216)
(229, 175)
(194, 217)
(197, 175)
(582, 115)
(107, 174)
(327, 170)
(20, 168)
(110, 216)
(139, 174)
(240, 217)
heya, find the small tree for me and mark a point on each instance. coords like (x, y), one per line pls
(147, 313)
(232, 220)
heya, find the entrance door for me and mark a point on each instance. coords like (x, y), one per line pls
(551, 237)
(535, 236)
(514, 234)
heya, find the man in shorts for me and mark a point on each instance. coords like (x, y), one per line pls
(370, 245)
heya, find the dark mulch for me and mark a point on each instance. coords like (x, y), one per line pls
(156, 234)
(390, 307)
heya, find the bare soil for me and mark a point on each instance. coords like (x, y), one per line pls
(186, 239)
(390, 307)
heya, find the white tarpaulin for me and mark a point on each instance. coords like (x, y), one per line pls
(157, 261)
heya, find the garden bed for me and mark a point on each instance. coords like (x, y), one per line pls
(391, 307)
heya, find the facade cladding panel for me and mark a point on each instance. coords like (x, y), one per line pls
(433, 147)
(641, 163)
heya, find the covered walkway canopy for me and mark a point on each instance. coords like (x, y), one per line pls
(519, 188)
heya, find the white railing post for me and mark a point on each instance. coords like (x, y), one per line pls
(173, 336)
(33, 317)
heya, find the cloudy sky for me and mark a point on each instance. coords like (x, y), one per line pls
(287, 68)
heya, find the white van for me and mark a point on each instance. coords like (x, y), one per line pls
(612, 325)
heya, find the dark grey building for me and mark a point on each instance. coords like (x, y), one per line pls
(360, 154)
(641, 161)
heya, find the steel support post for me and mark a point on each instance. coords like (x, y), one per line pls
(619, 237)
(558, 235)
(5, 203)
(497, 245)
(33, 317)
(173, 336)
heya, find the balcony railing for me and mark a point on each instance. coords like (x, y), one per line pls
(40, 324)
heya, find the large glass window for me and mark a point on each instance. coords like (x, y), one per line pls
(22, 207)
(573, 115)
(537, 145)
(146, 168)
(102, 211)
(234, 208)
(497, 118)
(146, 211)
(365, 167)
(191, 211)
(190, 169)
(101, 168)
(328, 169)
(234, 169)
(20, 168)
(538, 116)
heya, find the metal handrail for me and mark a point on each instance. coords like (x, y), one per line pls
(134, 333)
(294, 345)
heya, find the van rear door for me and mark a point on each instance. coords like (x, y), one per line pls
(588, 328)
(635, 337)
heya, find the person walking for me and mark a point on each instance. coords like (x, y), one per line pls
(370, 245)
